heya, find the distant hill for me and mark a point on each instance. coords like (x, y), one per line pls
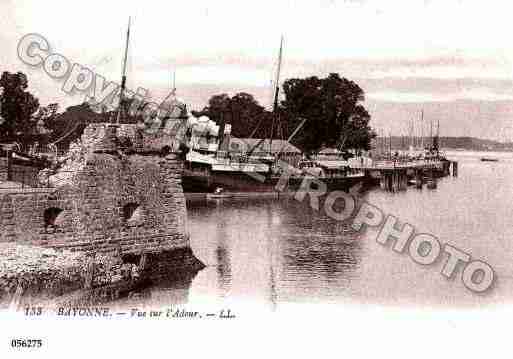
(464, 143)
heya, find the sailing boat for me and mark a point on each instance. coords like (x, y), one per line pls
(219, 173)
(123, 76)
(213, 170)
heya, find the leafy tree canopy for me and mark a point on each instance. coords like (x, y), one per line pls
(334, 113)
(332, 106)
(69, 125)
(242, 111)
(17, 106)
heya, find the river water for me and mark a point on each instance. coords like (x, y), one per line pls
(277, 251)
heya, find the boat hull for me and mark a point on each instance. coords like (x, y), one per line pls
(252, 182)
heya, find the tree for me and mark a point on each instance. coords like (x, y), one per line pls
(334, 113)
(242, 111)
(357, 134)
(69, 125)
(17, 107)
(47, 113)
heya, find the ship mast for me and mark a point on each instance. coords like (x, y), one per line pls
(390, 145)
(431, 131)
(276, 94)
(123, 77)
(412, 133)
(438, 132)
(436, 139)
(174, 82)
(422, 130)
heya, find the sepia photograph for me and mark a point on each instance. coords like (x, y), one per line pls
(256, 179)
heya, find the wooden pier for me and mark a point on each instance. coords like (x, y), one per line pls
(395, 175)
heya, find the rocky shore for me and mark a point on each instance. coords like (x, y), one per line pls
(31, 274)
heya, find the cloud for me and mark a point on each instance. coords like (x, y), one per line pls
(402, 53)
(404, 97)
(477, 94)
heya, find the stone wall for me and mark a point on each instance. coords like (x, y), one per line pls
(24, 172)
(32, 275)
(27, 175)
(114, 202)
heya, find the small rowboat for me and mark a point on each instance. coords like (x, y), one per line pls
(213, 196)
(431, 184)
(218, 194)
(489, 159)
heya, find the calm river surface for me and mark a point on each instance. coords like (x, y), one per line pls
(277, 251)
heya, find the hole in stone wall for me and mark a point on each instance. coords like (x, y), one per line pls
(52, 216)
(125, 142)
(165, 151)
(132, 212)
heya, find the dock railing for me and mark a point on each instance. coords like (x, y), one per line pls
(399, 164)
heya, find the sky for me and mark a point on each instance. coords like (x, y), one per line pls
(452, 59)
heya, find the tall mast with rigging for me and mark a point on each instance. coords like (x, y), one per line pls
(431, 131)
(123, 76)
(412, 133)
(174, 82)
(436, 139)
(422, 130)
(276, 94)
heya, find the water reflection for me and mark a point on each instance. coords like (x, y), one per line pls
(166, 291)
(222, 253)
(271, 250)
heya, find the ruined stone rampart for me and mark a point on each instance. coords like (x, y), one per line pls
(116, 198)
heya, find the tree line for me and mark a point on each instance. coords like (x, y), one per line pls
(332, 106)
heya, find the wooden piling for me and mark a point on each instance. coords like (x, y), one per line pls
(9, 165)
(455, 169)
(142, 262)
(403, 180)
(384, 181)
(419, 179)
(432, 179)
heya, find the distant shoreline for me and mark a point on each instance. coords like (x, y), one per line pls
(446, 143)
(475, 150)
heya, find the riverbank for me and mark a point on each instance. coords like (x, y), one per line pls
(32, 274)
(37, 273)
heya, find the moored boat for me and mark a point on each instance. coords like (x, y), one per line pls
(218, 194)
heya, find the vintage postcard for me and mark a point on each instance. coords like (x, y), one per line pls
(267, 178)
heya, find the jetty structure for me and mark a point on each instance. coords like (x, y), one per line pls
(395, 174)
(108, 217)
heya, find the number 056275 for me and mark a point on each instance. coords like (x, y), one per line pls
(26, 343)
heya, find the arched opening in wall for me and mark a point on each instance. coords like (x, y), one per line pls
(164, 151)
(52, 217)
(132, 213)
(125, 142)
